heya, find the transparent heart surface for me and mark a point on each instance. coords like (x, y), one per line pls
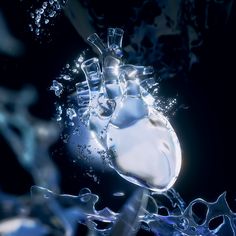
(147, 152)
(140, 142)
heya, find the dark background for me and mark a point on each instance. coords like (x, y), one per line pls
(206, 129)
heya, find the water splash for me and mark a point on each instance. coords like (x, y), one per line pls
(187, 222)
(141, 210)
(133, 111)
(79, 139)
(180, 219)
(54, 214)
(44, 15)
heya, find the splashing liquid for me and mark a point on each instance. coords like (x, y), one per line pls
(118, 113)
(43, 15)
(140, 141)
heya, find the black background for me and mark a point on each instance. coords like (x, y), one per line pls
(206, 129)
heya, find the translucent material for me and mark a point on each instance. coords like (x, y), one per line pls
(143, 146)
(138, 71)
(83, 97)
(141, 143)
(95, 40)
(114, 40)
(91, 69)
(97, 122)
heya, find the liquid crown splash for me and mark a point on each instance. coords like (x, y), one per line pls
(141, 143)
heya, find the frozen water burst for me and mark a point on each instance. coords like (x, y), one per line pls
(118, 100)
(123, 117)
(53, 214)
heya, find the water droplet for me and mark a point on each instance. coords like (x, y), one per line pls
(37, 31)
(38, 18)
(44, 6)
(31, 27)
(57, 87)
(59, 113)
(118, 194)
(41, 11)
(57, 5)
(71, 113)
(52, 14)
(80, 59)
(66, 77)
